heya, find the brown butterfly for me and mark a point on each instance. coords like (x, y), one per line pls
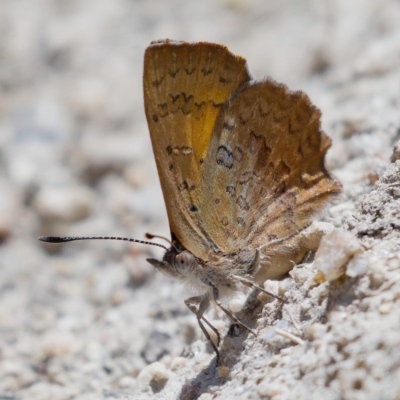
(241, 165)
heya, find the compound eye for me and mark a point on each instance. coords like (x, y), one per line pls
(184, 262)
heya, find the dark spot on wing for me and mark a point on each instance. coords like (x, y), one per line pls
(224, 157)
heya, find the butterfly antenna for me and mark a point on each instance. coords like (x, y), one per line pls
(57, 239)
(151, 236)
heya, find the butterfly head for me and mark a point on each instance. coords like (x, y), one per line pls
(177, 262)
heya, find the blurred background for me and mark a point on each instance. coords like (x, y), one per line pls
(76, 159)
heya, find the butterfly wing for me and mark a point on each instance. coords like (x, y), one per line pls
(185, 85)
(264, 174)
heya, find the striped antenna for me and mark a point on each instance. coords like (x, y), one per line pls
(58, 239)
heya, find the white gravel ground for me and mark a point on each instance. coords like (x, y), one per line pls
(93, 320)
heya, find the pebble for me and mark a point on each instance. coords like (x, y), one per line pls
(396, 152)
(153, 372)
(64, 203)
(268, 389)
(335, 251)
(127, 382)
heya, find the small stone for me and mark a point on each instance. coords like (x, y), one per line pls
(236, 304)
(127, 382)
(65, 204)
(312, 236)
(223, 371)
(274, 360)
(385, 308)
(268, 389)
(319, 277)
(178, 362)
(58, 343)
(316, 331)
(394, 262)
(396, 152)
(357, 266)
(334, 253)
(155, 372)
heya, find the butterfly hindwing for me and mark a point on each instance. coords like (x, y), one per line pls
(264, 175)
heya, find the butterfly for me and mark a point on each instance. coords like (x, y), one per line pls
(241, 166)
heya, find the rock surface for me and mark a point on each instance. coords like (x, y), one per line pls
(92, 320)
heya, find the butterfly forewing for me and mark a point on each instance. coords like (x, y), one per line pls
(185, 85)
(264, 168)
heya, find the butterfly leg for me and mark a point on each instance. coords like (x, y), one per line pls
(198, 305)
(227, 312)
(252, 285)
